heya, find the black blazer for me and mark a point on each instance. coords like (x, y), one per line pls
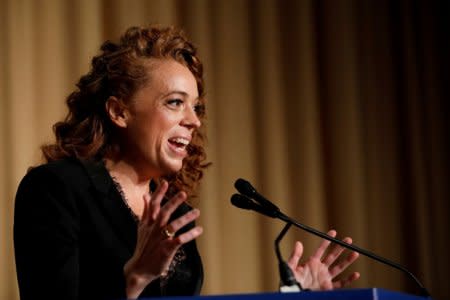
(73, 234)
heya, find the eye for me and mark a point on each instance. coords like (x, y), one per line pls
(199, 109)
(175, 103)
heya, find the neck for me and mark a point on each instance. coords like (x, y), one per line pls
(133, 184)
(120, 166)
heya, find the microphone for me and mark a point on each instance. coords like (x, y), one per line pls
(245, 188)
(269, 209)
(246, 203)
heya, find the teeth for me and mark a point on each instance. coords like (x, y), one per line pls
(180, 140)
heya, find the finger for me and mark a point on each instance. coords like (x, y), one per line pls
(323, 246)
(341, 266)
(295, 255)
(168, 208)
(156, 198)
(347, 281)
(182, 221)
(331, 257)
(189, 235)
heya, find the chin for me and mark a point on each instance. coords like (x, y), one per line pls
(172, 167)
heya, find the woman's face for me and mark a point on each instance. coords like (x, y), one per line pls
(162, 118)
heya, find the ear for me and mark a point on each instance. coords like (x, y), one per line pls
(117, 111)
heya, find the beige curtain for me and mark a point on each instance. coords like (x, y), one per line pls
(335, 110)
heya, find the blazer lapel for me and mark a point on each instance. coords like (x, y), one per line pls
(111, 202)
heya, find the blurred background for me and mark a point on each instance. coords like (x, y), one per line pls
(337, 111)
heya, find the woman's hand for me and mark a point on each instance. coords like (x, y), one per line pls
(319, 272)
(156, 240)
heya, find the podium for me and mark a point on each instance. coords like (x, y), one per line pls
(341, 294)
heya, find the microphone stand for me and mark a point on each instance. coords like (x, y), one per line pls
(352, 247)
(244, 202)
(288, 282)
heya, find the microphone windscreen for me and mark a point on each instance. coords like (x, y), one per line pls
(241, 201)
(244, 187)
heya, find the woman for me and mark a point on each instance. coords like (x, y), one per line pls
(106, 217)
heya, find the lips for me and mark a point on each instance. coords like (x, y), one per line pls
(179, 144)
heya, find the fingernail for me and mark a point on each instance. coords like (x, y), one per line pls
(181, 194)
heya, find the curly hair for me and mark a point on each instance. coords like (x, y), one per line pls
(119, 70)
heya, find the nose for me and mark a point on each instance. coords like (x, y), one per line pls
(191, 119)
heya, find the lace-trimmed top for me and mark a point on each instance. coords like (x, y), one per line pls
(180, 255)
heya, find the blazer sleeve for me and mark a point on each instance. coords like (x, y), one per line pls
(46, 230)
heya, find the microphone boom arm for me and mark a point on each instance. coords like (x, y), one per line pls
(357, 249)
(279, 238)
(266, 207)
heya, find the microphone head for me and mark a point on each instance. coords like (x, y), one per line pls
(244, 187)
(241, 201)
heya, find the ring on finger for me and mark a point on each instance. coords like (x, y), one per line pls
(167, 233)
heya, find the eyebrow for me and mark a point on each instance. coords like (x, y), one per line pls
(179, 92)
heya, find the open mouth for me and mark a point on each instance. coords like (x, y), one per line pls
(179, 143)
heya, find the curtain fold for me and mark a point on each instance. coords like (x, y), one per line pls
(335, 110)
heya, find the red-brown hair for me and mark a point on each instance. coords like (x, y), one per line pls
(119, 70)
